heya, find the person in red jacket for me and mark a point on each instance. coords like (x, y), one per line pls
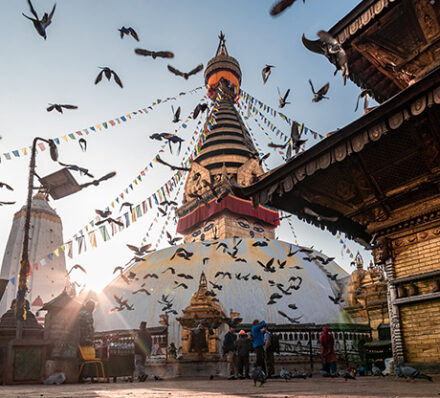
(327, 351)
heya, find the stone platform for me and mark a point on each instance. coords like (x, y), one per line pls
(318, 387)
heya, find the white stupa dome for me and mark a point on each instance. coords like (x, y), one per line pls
(250, 298)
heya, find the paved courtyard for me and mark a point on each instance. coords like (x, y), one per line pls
(315, 387)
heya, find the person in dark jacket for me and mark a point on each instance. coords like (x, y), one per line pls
(229, 349)
(243, 348)
(142, 350)
(268, 352)
(258, 343)
(328, 351)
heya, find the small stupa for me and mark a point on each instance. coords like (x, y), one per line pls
(46, 278)
(200, 338)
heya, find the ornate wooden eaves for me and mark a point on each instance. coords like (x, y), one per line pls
(390, 44)
(369, 173)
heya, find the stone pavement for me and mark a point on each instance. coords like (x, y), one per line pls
(316, 387)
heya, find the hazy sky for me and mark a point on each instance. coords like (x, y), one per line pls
(84, 35)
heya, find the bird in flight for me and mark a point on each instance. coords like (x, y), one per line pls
(59, 107)
(109, 220)
(283, 99)
(128, 204)
(328, 46)
(293, 320)
(103, 213)
(128, 31)
(320, 94)
(82, 144)
(366, 95)
(7, 186)
(280, 6)
(141, 291)
(40, 24)
(99, 180)
(159, 160)
(295, 136)
(154, 54)
(176, 114)
(108, 73)
(139, 251)
(185, 75)
(74, 167)
(77, 266)
(265, 73)
(200, 108)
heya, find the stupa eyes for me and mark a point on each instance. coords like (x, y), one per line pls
(243, 224)
(196, 233)
(258, 229)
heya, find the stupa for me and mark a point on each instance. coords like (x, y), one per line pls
(227, 240)
(46, 234)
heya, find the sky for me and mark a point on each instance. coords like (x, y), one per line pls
(84, 35)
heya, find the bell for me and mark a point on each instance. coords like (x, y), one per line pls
(435, 284)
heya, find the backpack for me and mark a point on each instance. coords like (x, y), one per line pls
(274, 343)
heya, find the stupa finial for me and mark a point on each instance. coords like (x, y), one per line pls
(221, 49)
(203, 284)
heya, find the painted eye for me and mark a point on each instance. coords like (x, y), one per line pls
(208, 227)
(196, 233)
(258, 229)
(243, 225)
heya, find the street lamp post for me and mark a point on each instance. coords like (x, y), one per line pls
(58, 185)
(24, 263)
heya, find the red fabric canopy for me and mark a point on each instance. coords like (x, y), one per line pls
(232, 203)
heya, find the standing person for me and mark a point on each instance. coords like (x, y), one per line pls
(142, 350)
(268, 352)
(243, 348)
(327, 351)
(258, 343)
(229, 349)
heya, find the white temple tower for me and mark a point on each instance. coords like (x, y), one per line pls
(47, 279)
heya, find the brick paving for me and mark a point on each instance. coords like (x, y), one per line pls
(316, 387)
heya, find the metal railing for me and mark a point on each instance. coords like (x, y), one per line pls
(114, 343)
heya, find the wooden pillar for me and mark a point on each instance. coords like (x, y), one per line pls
(394, 314)
(311, 352)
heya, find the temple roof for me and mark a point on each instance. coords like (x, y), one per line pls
(366, 174)
(390, 44)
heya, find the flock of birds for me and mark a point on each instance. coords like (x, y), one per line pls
(325, 45)
(400, 370)
(272, 266)
(41, 25)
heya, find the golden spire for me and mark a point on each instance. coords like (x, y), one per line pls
(221, 49)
